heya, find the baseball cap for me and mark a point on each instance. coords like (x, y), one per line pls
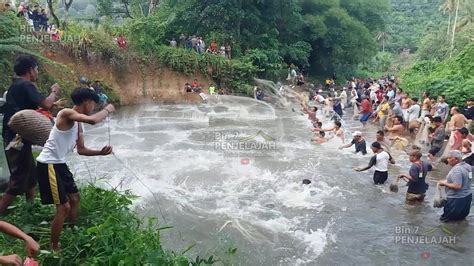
(357, 133)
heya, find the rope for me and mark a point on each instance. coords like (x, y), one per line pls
(134, 174)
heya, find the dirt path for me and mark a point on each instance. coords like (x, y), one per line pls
(155, 84)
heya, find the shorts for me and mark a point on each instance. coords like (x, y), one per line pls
(434, 150)
(55, 183)
(22, 170)
(412, 197)
(380, 177)
(365, 118)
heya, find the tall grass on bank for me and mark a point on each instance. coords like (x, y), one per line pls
(108, 232)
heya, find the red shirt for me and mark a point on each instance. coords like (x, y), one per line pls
(366, 107)
(122, 43)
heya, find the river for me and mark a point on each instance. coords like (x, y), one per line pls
(228, 174)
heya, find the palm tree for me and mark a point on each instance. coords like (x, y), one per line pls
(454, 27)
(448, 7)
(382, 36)
(468, 16)
(453, 6)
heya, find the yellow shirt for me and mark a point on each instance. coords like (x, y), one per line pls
(383, 110)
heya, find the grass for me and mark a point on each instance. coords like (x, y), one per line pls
(108, 232)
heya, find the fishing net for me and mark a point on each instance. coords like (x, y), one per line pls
(440, 197)
(421, 139)
(394, 186)
(31, 126)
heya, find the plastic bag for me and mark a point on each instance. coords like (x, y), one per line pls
(440, 197)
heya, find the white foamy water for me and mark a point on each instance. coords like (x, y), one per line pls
(253, 199)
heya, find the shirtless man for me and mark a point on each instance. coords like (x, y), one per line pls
(311, 112)
(406, 103)
(426, 107)
(320, 138)
(337, 128)
(458, 120)
(397, 130)
(380, 138)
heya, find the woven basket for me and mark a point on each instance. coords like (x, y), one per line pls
(31, 126)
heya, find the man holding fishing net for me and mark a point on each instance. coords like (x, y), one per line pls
(56, 182)
(458, 188)
(415, 178)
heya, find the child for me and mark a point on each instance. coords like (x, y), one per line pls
(56, 182)
(32, 247)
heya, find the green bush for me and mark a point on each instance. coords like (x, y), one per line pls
(235, 75)
(453, 77)
(107, 233)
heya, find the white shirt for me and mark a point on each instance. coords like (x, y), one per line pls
(59, 144)
(381, 163)
(343, 95)
(319, 98)
(414, 112)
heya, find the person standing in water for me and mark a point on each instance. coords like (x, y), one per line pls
(415, 178)
(337, 128)
(380, 162)
(358, 141)
(458, 189)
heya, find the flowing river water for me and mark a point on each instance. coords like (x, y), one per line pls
(228, 174)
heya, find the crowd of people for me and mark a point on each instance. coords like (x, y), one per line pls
(50, 171)
(198, 44)
(404, 123)
(35, 17)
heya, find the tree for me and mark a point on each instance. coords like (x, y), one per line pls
(382, 36)
(51, 10)
(448, 7)
(152, 6)
(66, 4)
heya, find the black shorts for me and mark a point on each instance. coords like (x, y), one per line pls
(380, 177)
(55, 183)
(434, 150)
(22, 170)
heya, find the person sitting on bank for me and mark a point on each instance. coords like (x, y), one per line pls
(212, 89)
(32, 247)
(380, 162)
(188, 88)
(358, 141)
(458, 189)
(415, 178)
(196, 86)
(300, 79)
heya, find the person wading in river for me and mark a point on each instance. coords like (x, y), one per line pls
(416, 178)
(380, 162)
(458, 189)
(358, 141)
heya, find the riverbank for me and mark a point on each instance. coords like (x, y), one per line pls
(108, 232)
